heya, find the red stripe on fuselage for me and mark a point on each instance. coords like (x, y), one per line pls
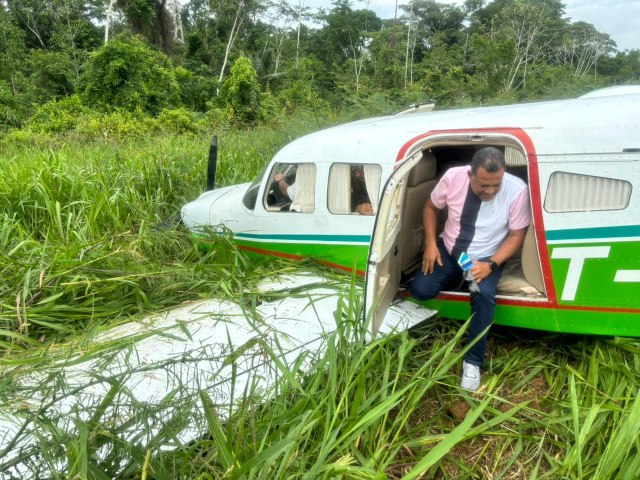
(261, 251)
(291, 256)
(342, 267)
(546, 304)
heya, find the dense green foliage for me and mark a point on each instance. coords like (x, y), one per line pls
(127, 74)
(241, 94)
(248, 61)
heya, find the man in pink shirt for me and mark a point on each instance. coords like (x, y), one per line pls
(488, 215)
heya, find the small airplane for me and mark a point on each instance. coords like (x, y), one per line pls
(579, 269)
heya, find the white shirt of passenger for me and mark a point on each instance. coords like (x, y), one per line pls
(482, 227)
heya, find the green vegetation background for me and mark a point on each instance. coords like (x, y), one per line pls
(102, 142)
(137, 66)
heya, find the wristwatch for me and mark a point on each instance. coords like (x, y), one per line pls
(492, 265)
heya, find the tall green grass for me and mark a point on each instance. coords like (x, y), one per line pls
(87, 239)
(550, 407)
(89, 233)
(554, 407)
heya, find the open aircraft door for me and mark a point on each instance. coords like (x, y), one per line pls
(383, 272)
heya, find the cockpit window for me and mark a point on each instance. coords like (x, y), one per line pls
(353, 188)
(250, 197)
(292, 188)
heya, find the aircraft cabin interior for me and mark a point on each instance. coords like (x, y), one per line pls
(522, 275)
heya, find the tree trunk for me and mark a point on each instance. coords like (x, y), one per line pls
(178, 33)
(300, 7)
(232, 38)
(107, 23)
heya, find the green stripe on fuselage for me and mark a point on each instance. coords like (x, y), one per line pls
(345, 251)
(597, 274)
(591, 234)
(341, 255)
(590, 309)
(347, 239)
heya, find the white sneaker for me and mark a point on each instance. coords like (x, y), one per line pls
(470, 377)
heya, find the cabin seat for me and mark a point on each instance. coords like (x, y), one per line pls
(420, 182)
(531, 260)
(522, 275)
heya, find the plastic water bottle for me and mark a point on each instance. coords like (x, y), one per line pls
(465, 264)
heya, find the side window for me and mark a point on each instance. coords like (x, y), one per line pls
(292, 188)
(571, 192)
(353, 188)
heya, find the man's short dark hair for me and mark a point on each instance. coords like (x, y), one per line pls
(489, 158)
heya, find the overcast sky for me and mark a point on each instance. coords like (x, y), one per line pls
(619, 18)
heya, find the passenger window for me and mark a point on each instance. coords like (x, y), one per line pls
(571, 192)
(353, 188)
(292, 188)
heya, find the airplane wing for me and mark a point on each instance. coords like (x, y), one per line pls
(140, 374)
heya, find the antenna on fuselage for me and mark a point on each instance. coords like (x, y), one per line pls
(212, 163)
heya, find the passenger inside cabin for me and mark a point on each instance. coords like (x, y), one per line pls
(353, 190)
(360, 201)
(287, 190)
(293, 189)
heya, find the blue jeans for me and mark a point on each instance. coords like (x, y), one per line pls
(483, 303)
